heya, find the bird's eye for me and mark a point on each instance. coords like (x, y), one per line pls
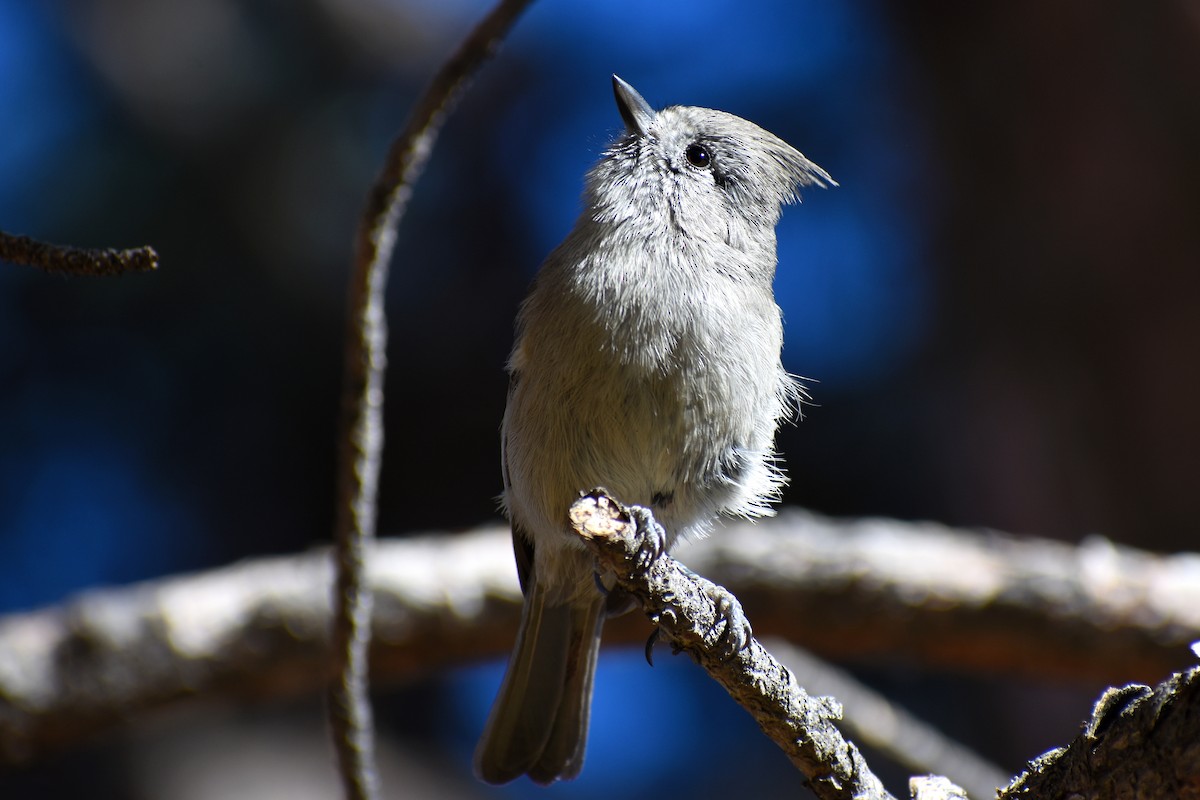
(697, 155)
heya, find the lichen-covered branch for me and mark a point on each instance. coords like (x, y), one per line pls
(260, 627)
(877, 723)
(684, 608)
(981, 601)
(935, 787)
(75, 260)
(1140, 743)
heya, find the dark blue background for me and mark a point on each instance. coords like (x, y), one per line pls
(997, 309)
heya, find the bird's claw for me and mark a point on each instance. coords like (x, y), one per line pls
(650, 642)
(736, 633)
(653, 537)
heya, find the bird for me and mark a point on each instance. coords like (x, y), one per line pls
(647, 360)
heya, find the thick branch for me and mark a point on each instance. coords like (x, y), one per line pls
(982, 601)
(1140, 743)
(362, 427)
(844, 588)
(75, 260)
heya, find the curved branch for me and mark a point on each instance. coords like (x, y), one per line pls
(75, 260)
(362, 391)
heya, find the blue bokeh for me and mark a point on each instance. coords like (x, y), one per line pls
(87, 505)
(46, 100)
(707, 735)
(851, 280)
(92, 495)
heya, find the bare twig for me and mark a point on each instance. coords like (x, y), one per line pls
(362, 434)
(682, 606)
(75, 260)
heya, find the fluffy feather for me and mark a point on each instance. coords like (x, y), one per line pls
(647, 361)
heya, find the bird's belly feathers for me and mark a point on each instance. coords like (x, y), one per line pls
(658, 411)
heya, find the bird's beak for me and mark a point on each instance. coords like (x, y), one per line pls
(634, 109)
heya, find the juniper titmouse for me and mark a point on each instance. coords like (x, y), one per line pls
(646, 361)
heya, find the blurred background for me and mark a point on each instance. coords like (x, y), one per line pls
(998, 312)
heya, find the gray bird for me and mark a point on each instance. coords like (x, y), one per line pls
(647, 361)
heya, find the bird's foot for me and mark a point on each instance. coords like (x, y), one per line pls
(653, 537)
(732, 630)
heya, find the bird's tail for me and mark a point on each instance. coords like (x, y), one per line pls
(539, 722)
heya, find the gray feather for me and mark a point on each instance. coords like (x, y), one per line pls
(538, 724)
(647, 361)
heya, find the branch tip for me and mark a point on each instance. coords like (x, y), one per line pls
(597, 516)
(67, 260)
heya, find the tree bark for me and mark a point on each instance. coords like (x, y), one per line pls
(846, 589)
